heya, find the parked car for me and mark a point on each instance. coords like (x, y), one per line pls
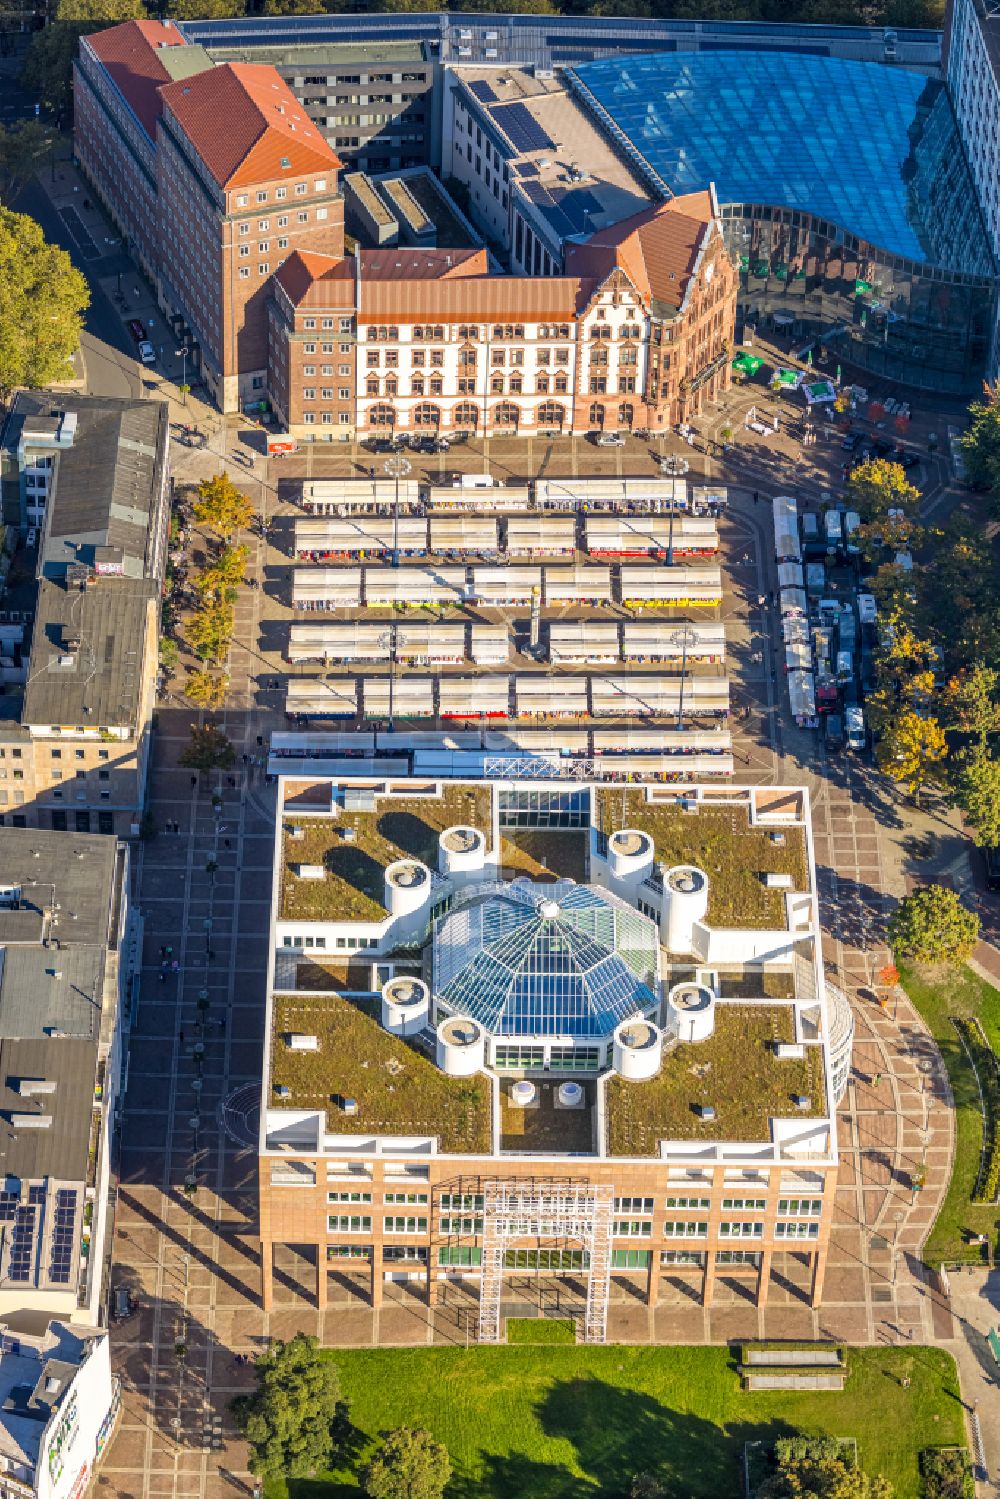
(136, 328)
(146, 352)
(992, 867)
(854, 720)
(833, 730)
(610, 440)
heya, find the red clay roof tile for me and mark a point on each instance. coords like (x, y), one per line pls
(128, 52)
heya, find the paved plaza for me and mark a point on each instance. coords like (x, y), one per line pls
(193, 1260)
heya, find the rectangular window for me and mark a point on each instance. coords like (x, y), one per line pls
(633, 1204)
(739, 1228)
(406, 1199)
(244, 273)
(744, 1204)
(461, 1202)
(347, 1224)
(685, 1228)
(633, 1228)
(801, 1207)
(359, 1197)
(466, 1226)
(795, 1230)
(404, 1225)
(688, 1202)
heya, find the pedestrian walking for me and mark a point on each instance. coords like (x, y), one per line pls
(194, 780)
(175, 966)
(163, 952)
(168, 951)
(756, 496)
(181, 1034)
(227, 843)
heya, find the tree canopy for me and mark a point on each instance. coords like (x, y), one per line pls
(878, 486)
(291, 1419)
(42, 301)
(23, 149)
(981, 442)
(410, 1464)
(820, 1469)
(222, 507)
(48, 62)
(977, 793)
(933, 926)
(208, 749)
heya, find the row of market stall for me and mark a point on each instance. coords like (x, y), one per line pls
(434, 643)
(504, 587)
(488, 697)
(477, 493)
(794, 607)
(529, 536)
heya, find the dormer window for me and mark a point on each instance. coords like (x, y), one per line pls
(285, 162)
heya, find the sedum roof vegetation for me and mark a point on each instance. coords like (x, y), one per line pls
(399, 828)
(399, 1090)
(735, 1070)
(721, 842)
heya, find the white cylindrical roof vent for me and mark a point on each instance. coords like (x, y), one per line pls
(460, 1047)
(461, 851)
(638, 1049)
(406, 1004)
(407, 894)
(691, 1012)
(569, 1095)
(523, 1094)
(630, 859)
(685, 902)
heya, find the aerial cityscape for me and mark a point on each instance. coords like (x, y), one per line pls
(500, 750)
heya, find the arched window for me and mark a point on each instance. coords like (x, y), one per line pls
(382, 416)
(626, 414)
(417, 386)
(551, 414)
(426, 415)
(506, 414)
(597, 415)
(466, 415)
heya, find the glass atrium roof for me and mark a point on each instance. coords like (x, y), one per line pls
(870, 148)
(555, 959)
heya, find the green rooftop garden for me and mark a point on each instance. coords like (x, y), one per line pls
(399, 1091)
(721, 842)
(400, 827)
(735, 1070)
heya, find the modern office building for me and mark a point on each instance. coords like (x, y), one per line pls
(58, 1405)
(68, 960)
(882, 254)
(636, 333)
(972, 63)
(79, 640)
(552, 1027)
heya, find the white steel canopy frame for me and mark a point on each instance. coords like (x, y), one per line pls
(515, 1210)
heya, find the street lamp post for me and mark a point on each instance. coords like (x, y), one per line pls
(685, 637)
(388, 639)
(397, 467)
(183, 355)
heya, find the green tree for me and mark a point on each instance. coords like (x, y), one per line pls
(210, 629)
(225, 571)
(42, 300)
(23, 149)
(933, 926)
(646, 1486)
(823, 1476)
(208, 749)
(981, 442)
(977, 792)
(206, 689)
(205, 10)
(48, 62)
(222, 507)
(169, 652)
(947, 1473)
(292, 1419)
(911, 748)
(970, 703)
(878, 486)
(410, 1464)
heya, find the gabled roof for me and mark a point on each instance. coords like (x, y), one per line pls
(323, 281)
(247, 126)
(129, 53)
(656, 249)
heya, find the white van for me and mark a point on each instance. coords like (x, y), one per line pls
(854, 725)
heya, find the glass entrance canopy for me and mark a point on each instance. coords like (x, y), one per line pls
(556, 959)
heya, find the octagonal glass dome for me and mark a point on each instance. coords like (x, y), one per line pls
(557, 959)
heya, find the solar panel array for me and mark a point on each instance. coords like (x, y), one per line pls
(483, 91)
(63, 1237)
(22, 1244)
(527, 169)
(9, 1202)
(521, 128)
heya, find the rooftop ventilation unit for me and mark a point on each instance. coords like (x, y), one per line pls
(298, 1042)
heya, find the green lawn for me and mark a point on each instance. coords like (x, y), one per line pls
(541, 1330)
(576, 1423)
(938, 997)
